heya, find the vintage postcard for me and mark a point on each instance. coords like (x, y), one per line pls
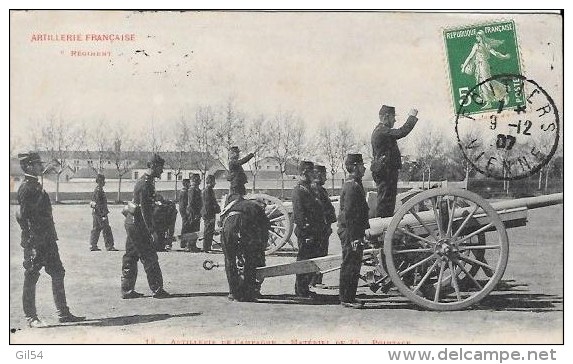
(286, 177)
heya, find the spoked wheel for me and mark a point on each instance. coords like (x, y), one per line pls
(281, 223)
(446, 249)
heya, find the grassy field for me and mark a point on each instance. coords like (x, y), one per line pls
(528, 307)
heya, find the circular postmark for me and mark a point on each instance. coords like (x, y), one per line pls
(516, 135)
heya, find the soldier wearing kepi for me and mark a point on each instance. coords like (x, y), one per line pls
(183, 197)
(100, 219)
(209, 211)
(244, 236)
(309, 220)
(352, 223)
(237, 177)
(140, 235)
(328, 212)
(39, 242)
(194, 206)
(387, 160)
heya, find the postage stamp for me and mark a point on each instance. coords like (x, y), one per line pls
(475, 54)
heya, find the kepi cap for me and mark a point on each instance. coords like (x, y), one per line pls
(385, 109)
(353, 159)
(303, 166)
(100, 177)
(320, 168)
(29, 157)
(156, 160)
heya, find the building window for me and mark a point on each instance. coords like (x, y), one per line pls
(169, 175)
(135, 175)
(179, 177)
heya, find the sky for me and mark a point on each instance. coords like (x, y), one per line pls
(325, 66)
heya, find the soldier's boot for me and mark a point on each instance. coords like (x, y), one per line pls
(127, 288)
(29, 299)
(59, 292)
(35, 322)
(192, 246)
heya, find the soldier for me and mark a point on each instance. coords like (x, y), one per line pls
(352, 223)
(183, 197)
(328, 212)
(100, 220)
(210, 209)
(387, 160)
(237, 177)
(244, 236)
(309, 220)
(164, 218)
(194, 205)
(141, 235)
(39, 242)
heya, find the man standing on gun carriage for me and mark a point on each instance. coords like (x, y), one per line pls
(237, 177)
(183, 198)
(309, 220)
(244, 238)
(352, 223)
(194, 206)
(387, 160)
(209, 211)
(328, 212)
(141, 235)
(39, 242)
(100, 219)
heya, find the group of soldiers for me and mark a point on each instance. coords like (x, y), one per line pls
(245, 226)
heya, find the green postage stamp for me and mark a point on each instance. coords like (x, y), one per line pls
(475, 55)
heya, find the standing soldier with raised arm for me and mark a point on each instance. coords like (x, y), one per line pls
(237, 177)
(194, 205)
(100, 220)
(39, 242)
(387, 160)
(352, 223)
(309, 220)
(328, 212)
(141, 234)
(210, 210)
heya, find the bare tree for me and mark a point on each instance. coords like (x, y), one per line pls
(101, 143)
(203, 134)
(335, 142)
(229, 126)
(182, 145)
(282, 142)
(60, 137)
(429, 149)
(120, 157)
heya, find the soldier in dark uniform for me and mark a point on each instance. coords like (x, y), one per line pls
(164, 218)
(210, 209)
(352, 223)
(141, 234)
(39, 242)
(100, 220)
(244, 238)
(387, 160)
(183, 197)
(194, 205)
(309, 220)
(237, 177)
(328, 212)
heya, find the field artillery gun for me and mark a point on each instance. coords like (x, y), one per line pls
(444, 249)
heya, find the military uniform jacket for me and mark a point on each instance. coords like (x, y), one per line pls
(307, 211)
(255, 224)
(194, 204)
(183, 198)
(237, 176)
(100, 200)
(36, 218)
(384, 145)
(353, 216)
(144, 197)
(210, 205)
(324, 199)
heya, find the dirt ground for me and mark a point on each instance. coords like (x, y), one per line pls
(527, 307)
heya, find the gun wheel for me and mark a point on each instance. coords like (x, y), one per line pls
(281, 222)
(446, 249)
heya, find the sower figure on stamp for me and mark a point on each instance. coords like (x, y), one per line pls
(244, 238)
(194, 206)
(328, 212)
(100, 219)
(352, 223)
(387, 160)
(309, 220)
(183, 198)
(237, 177)
(39, 240)
(210, 209)
(141, 234)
